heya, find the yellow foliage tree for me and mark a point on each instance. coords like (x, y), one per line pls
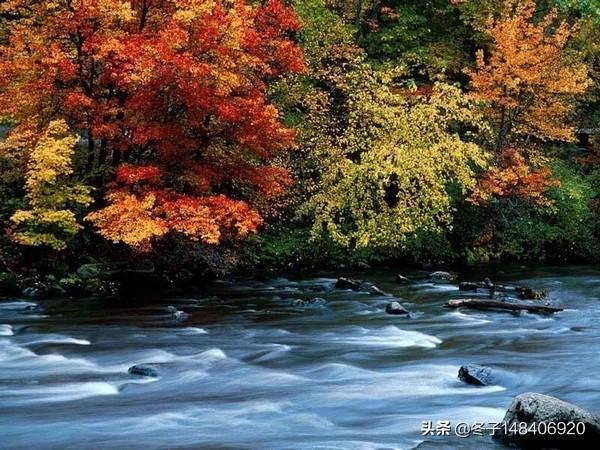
(401, 155)
(528, 80)
(53, 198)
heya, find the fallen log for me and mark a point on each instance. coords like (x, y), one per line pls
(477, 303)
(524, 293)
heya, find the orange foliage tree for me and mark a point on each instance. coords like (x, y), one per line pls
(172, 93)
(527, 79)
(514, 178)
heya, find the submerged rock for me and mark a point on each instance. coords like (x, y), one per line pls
(145, 370)
(318, 301)
(538, 411)
(476, 375)
(313, 302)
(347, 283)
(395, 308)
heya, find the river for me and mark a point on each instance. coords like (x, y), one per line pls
(252, 366)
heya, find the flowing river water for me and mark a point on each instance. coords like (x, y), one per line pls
(260, 364)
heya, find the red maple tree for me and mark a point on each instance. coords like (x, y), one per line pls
(170, 92)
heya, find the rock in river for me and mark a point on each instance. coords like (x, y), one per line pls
(442, 277)
(395, 308)
(477, 375)
(145, 370)
(347, 283)
(540, 411)
(374, 290)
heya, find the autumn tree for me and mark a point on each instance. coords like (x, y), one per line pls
(379, 163)
(170, 93)
(398, 163)
(527, 79)
(53, 198)
(514, 178)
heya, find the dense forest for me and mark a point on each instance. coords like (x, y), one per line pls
(188, 137)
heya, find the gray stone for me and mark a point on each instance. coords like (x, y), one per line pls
(476, 375)
(374, 290)
(534, 409)
(347, 283)
(145, 370)
(440, 276)
(395, 308)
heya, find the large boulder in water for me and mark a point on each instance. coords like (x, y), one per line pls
(348, 283)
(476, 375)
(544, 416)
(396, 308)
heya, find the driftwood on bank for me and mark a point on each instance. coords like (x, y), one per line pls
(477, 303)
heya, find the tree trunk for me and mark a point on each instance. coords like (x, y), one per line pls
(91, 151)
(103, 152)
(500, 138)
(116, 157)
(358, 15)
(477, 303)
